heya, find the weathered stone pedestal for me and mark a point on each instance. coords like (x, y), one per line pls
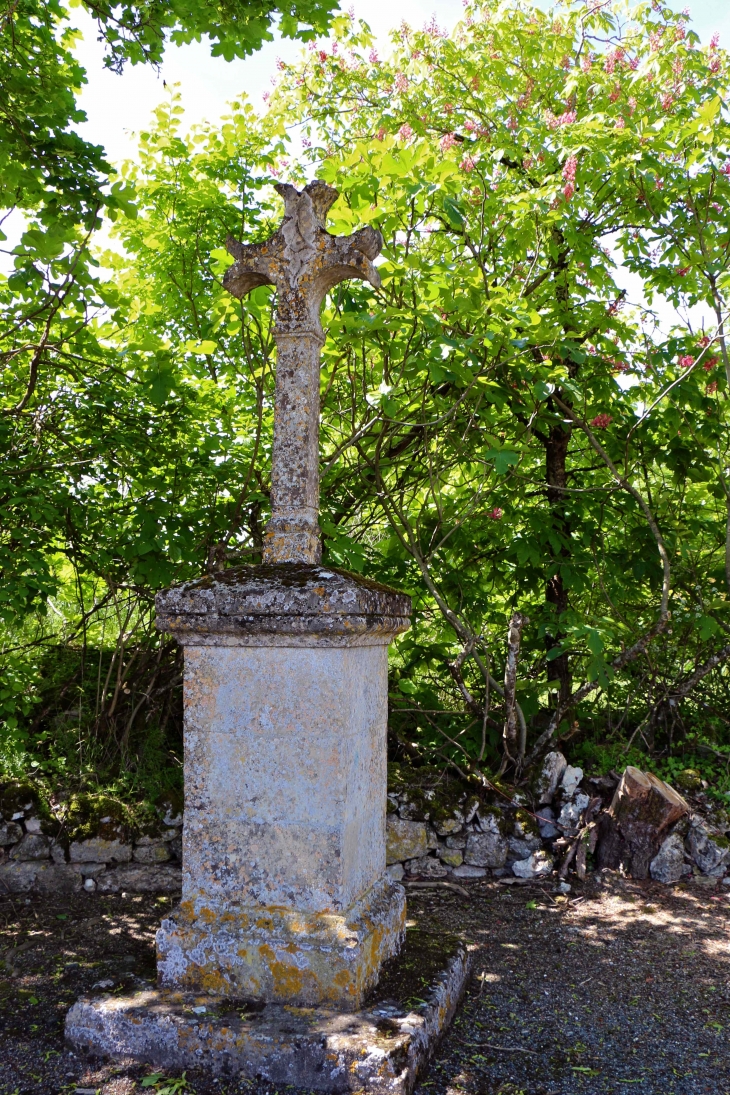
(284, 890)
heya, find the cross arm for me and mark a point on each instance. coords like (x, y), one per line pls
(255, 265)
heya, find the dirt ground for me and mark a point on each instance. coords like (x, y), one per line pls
(619, 987)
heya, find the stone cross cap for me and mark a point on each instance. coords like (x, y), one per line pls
(304, 262)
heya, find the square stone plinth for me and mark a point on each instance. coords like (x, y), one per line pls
(285, 776)
(270, 953)
(379, 1049)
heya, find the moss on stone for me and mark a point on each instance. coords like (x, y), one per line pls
(527, 821)
(17, 795)
(85, 816)
(689, 779)
(432, 794)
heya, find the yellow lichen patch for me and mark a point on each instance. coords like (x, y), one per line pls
(288, 981)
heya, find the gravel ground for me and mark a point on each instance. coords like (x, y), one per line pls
(619, 987)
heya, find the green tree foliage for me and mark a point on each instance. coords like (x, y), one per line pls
(504, 429)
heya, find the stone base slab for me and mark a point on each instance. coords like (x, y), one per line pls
(379, 1049)
(274, 954)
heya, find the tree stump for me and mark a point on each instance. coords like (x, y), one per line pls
(642, 811)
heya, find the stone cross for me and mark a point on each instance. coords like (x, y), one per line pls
(304, 262)
(286, 900)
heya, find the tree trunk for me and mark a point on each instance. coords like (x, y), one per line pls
(556, 595)
(513, 749)
(643, 810)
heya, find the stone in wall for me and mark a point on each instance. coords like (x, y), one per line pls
(31, 846)
(537, 865)
(36, 876)
(571, 781)
(551, 773)
(452, 857)
(669, 865)
(98, 850)
(711, 853)
(404, 839)
(140, 879)
(152, 853)
(486, 850)
(427, 867)
(10, 833)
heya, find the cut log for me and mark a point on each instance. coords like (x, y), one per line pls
(642, 811)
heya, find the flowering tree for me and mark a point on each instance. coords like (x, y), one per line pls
(507, 432)
(511, 165)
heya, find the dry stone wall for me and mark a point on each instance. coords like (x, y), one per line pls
(39, 854)
(437, 829)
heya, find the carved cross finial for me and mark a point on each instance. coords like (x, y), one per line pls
(303, 261)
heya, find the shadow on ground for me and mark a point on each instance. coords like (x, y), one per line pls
(623, 987)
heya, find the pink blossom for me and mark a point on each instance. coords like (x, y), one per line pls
(705, 341)
(715, 64)
(448, 108)
(568, 191)
(601, 421)
(433, 29)
(634, 64)
(475, 83)
(620, 123)
(712, 387)
(381, 133)
(615, 93)
(659, 184)
(725, 169)
(470, 125)
(655, 40)
(373, 57)
(448, 141)
(632, 104)
(405, 132)
(467, 164)
(710, 364)
(568, 117)
(512, 123)
(565, 62)
(401, 82)
(667, 101)
(612, 59)
(280, 64)
(686, 361)
(587, 62)
(570, 167)
(683, 271)
(496, 514)
(679, 32)
(322, 56)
